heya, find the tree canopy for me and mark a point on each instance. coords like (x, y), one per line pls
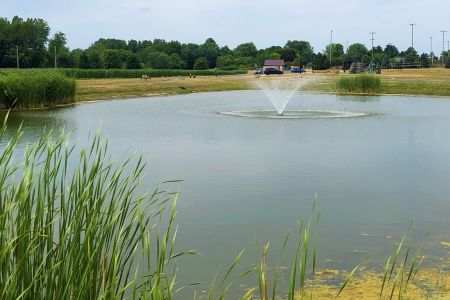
(28, 42)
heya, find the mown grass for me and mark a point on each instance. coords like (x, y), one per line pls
(36, 89)
(361, 83)
(96, 89)
(432, 82)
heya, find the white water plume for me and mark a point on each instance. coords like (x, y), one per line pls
(280, 90)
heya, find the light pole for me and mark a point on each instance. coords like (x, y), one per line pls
(443, 44)
(412, 34)
(372, 39)
(431, 50)
(331, 39)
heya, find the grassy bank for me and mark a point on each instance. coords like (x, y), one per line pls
(429, 82)
(121, 88)
(433, 82)
(37, 89)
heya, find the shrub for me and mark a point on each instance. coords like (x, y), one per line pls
(37, 88)
(362, 83)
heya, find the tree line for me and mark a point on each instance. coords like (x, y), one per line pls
(27, 43)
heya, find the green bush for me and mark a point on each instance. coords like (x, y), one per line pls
(37, 88)
(362, 83)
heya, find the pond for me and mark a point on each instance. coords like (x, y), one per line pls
(251, 179)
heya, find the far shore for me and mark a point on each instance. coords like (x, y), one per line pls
(410, 82)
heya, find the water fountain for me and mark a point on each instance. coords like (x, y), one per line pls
(280, 91)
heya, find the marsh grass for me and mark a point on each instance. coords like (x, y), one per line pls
(82, 233)
(362, 83)
(38, 88)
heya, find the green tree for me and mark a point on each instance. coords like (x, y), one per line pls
(410, 55)
(288, 54)
(29, 37)
(201, 64)
(357, 52)
(133, 46)
(210, 50)
(57, 46)
(158, 60)
(320, 62)
(112, 59)
(189, 53)
(133, 62)
(176, 61)
(390, 51)
(425, 60)
(303, 49)
(95, 60)
(246, 49)
(337, 54)
(84, 62)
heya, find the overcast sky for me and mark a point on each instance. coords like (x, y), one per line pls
(231, 22)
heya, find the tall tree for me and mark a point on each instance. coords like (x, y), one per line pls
(357, 52)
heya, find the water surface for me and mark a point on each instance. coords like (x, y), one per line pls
(250, 179)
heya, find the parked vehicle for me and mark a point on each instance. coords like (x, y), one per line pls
(298, 70)
(270, 71)
(258, 71)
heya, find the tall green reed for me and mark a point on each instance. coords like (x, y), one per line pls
(81, 233)
(37, 88)
(361, 83)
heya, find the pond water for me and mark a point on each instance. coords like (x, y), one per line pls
(251, 179)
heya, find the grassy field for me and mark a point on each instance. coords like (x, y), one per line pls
(96, 89)
(433, 82)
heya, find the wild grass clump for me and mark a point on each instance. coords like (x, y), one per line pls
(82, 232)
(362, 83)
(39, 88)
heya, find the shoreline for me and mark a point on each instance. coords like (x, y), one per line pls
(429, 83)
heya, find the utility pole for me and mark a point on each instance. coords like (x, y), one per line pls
(412, 34)
(372, 39)
(331, 39)
(55, 58)
(431, 50)
(17, 55)
(448, 46)
(443, 44)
